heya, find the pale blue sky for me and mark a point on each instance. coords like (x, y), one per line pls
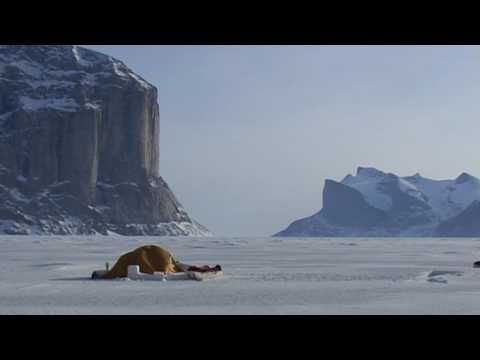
(248, 134)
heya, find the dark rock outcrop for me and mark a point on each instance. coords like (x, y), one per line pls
(79, 147)
(465, 224)
(345, 206)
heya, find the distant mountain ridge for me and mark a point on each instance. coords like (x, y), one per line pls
(375, 203)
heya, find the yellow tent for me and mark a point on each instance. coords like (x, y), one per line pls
(150, 258)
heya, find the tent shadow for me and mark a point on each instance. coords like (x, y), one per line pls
(72, 279)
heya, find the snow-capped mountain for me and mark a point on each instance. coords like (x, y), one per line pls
(375, 203)
(79, 147)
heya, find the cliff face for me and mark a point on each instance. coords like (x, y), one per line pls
(79, 140)
(345, 206)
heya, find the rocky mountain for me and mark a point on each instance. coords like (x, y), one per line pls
(375, 203)
(79, 147)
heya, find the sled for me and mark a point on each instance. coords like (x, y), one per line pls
(135, 274)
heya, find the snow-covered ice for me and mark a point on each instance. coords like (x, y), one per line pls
(50, 275)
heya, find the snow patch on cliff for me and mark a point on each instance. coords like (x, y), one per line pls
(62, 104)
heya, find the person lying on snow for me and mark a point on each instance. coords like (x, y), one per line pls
(150, 259)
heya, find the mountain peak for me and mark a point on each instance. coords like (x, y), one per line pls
(464, 177)
(369, 171)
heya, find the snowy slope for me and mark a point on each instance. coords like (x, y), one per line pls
(50, 275)
(367, 181)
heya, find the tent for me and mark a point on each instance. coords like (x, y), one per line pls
(149, 258)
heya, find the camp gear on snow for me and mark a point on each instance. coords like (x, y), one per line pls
(155, 263)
